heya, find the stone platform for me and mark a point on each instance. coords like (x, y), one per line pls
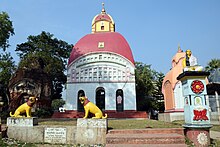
(91, 131)
(87, 131)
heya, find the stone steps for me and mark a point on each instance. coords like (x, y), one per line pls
(150, 137)
(148, 131)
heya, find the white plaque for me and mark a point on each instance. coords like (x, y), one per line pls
(55, 135)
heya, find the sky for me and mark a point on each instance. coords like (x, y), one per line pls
(153, 28)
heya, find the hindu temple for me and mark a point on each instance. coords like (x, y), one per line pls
(101, 67)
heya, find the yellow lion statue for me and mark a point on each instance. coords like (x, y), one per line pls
(25, 108)
(89, 107)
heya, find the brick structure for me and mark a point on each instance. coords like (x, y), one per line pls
(27, 82)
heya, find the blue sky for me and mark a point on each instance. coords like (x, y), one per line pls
(153, 28)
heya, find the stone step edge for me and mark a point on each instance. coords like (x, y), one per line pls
(146, 145)
(170, 135)
(145, 141)
(147, 131)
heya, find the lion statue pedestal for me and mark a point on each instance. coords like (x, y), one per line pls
(22, 121)
(91, 131)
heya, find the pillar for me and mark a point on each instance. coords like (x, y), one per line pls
(196, 109)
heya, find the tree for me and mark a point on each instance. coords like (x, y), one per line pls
(6, 30)
(148, 87)
(49, 54)
(157, 94)
(144, 77)
(7, 65)
(214, 68)
(144, 85)
(213, 64)
(7, 68)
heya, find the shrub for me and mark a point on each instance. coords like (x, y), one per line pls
(57, 103)
(43, 112)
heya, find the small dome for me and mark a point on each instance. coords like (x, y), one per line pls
(99, 17)
(102, 16)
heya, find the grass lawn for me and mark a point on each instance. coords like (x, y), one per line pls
(117, 123)
(214, 127)
(57, 121)
(139, 124)
(122, 123)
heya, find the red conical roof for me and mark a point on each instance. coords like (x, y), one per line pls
(113, 43)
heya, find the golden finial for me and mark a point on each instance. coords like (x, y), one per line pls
(103, 8)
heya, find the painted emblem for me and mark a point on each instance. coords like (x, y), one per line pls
(197, 86)
(197, 101)
(200, 114)
(101, 45)
(202, 138)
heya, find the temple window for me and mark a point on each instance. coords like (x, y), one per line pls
(100, 56)
(102, 27)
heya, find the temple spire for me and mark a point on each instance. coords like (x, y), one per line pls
(103, 8)
(179, 49)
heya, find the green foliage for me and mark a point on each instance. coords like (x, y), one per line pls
(57, 103)
(43, 112)
(7, 67)
(214, 142)
(158, 103)
(139, 124)
(213, 64)
(144, 79)
(148, 87)
(4, 115)
(214, 68)
(6, 30)
(48, 54)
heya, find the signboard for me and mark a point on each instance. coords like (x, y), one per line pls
(55, 135)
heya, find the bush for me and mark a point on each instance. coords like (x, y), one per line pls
(43, 112)
(57, 103)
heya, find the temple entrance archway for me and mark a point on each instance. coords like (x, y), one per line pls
(79, 105)
(119, 100)
(100, 98)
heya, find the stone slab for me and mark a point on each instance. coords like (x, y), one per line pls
(91, 131)
(36, 134)
(26, 134)
(55, 135)
(22, 121)
(172, 116)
